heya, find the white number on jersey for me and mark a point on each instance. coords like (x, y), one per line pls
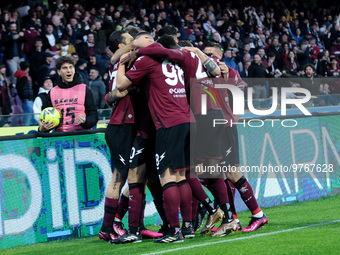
(174, 75)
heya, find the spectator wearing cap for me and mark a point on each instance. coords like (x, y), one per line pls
(41, 101)
(81, 69)
(47, 68)
(97, 86)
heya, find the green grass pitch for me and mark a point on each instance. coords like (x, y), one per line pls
(293, 229)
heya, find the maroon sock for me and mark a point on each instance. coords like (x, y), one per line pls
(123, 207)
(186, 200)
(231, 195)
(135, 203)
(110, 211)
(171, 203)
(194, 208)
(157, 194)
(141, 220)
(220, 190)
(247, 194)
(199, 193)
(221, 193)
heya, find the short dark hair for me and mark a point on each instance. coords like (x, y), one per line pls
(94, 68)
(64, 59)
(167, 30)
(115, 39)
(214, 45)
(24, 65)
(167, 41)
(133, 31)
(185, 44)
(142, 33)
(309, 65)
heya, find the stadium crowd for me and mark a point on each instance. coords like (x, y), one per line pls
(82, 50)
(265, 39)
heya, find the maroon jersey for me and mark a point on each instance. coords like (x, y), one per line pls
(165, 91)
(235, 79)
(196, 78)
(122, 111)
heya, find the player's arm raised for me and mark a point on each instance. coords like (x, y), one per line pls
(116, 95)
(122, 81)
(208, 63)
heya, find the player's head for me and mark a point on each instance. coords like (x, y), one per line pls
(143, 39)
(65, 68)
(119, 39)
(168, 30)
(133, 31)
(185, 44)
(214, 49)
(167, 41)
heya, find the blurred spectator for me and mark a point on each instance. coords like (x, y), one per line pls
(30, 34)
(50, 37)
(322, 64)
(5, 100)
(315, 50)
(36, 59)
(41, 101)
(245, 72)
(13, 54)
(64, 48)
(97, 86)
(333, 69)
(228, 59)
(258, 70)
(335, 50)
(87, 48)
(99, 37)
(46, 68)
(291, 63)
(303, 56)
(245, 58)
(25, 92)
(81, 69)
(94, 61)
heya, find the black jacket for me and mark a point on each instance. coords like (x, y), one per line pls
(90, 106)
(8, 42)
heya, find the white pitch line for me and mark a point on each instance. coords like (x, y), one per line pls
(241, 238)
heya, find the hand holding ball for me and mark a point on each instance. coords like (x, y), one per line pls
(49, 115)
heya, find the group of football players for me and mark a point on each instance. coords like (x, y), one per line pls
(160, 132)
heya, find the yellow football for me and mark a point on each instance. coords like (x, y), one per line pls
(50, 114)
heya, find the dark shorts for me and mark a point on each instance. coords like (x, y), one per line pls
(142, 151)
(209, 139)
(231, 148)
(120, 139)
(173, 148)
